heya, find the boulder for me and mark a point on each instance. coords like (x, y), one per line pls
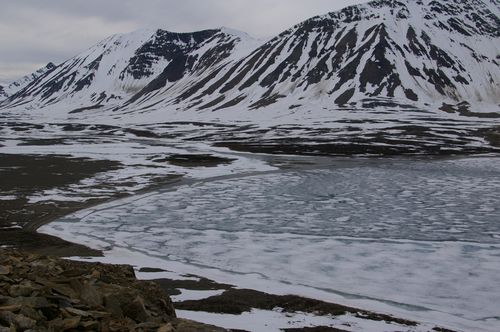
(43, 294)
(23, 289)
(89, 294)
(60, 324)
(21, 322)
(136, 310)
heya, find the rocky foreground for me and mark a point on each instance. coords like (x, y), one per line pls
(39, 293)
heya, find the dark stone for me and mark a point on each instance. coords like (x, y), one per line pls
(113, 305)
(136, 310)
(19, 321)
(60, 324)
(90, 294)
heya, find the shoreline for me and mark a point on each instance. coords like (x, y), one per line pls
(197, 296)
(298, 163)
(34, 226)
(343, 162)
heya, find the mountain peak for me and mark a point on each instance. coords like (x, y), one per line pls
(17, 85)
(237, 33)
(468, 17)
(50, 66)
(402, 51)
(3, 94)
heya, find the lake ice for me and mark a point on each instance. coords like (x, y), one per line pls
(419, 235)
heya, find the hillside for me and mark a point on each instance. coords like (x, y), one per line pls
(13, 87)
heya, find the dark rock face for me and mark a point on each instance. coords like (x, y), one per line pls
(171, 46)
(179, 49)
(39, 293)
(51, 294)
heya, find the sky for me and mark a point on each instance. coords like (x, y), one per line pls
(35, 32)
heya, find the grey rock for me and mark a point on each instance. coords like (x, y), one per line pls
(21, 290)
(77, 312)
(36, 302)
(59, 324)
(59, 288)
(43, 294)
(4, 270)
(112, 304)
(90, 295)
(136, 310)
(32, 313)
(19, 321)
(89, 325)
(11, 308)
(166, 328)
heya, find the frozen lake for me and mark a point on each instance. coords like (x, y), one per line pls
(418, 235)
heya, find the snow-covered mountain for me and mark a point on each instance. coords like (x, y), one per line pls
(409, 50)
(13, 87)
(122, 68)
(416, 52)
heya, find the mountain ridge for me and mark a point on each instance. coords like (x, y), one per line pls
(381, 52)
(11, 88)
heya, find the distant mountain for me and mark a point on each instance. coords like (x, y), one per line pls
(123, 68)
(403, 52)
(21, 83)
(3, 94)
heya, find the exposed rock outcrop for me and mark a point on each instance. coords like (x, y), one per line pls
(39, 293)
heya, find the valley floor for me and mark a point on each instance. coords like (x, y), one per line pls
(51, 170)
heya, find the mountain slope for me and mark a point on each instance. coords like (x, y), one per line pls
(127, 66)
(13, 87)
(404, 52)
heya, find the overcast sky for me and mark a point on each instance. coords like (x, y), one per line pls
(35, 32)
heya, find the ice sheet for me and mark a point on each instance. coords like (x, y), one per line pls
(419, 238)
